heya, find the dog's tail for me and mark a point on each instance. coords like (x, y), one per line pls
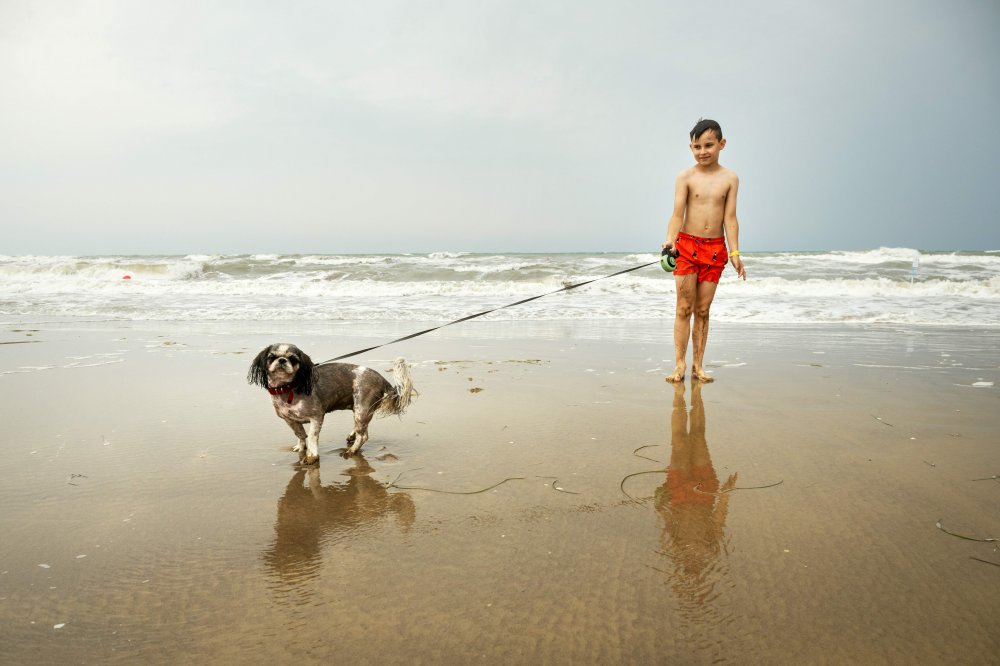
(399, 400)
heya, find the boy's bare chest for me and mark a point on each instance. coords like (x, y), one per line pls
(707, 192)
(706, 205)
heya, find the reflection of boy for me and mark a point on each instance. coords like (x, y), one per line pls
(704, 208)
(691, 503)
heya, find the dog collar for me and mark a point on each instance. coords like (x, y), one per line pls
(282, 390)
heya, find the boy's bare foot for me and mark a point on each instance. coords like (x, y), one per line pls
(677, 375)
(702, 376)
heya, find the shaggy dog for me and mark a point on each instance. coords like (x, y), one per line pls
(303, 392)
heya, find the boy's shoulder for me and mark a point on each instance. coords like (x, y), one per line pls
(728, 175)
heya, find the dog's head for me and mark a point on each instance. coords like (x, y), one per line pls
(282, 365)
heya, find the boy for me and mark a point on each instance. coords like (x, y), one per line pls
(704, 207)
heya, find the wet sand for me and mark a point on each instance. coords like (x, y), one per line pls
(153, 512)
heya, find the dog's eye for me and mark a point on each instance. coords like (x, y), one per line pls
(294, 360)
(271, 357)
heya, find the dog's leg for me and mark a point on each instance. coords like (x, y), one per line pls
(300, 433)
(312, 442)
(361, 420)
(315, 487)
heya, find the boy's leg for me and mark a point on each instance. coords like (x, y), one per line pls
(704, 295)
(680, 454)
(686, 293)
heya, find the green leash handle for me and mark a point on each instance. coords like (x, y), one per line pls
(667, 260)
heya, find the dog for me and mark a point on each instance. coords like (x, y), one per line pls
(303, 392)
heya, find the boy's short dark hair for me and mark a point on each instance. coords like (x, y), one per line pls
(703, 125)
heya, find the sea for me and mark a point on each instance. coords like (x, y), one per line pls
(896, 286)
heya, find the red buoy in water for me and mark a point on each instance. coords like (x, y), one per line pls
(126, 277)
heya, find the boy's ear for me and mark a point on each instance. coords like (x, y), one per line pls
(722, 144)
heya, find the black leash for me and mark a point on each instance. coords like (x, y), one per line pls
(486, 312)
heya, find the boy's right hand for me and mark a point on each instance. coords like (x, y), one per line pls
(669, 248)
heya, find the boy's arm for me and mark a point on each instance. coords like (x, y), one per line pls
(677, 217)
(732, 226)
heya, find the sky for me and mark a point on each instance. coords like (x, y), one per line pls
(244, 126)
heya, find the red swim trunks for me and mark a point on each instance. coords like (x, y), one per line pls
(692, 486)
(705, 256)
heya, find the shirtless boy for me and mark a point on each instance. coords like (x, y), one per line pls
(704, 208)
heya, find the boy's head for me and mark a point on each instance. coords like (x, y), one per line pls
(704, 125)
(707, 142)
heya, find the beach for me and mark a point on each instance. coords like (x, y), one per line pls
(483, 198)
(547, 498)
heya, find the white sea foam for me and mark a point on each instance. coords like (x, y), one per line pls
(874, 286)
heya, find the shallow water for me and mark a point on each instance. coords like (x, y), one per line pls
(158, 490)
(885, 285)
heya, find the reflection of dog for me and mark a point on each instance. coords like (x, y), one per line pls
(309, 516)
(305, 393)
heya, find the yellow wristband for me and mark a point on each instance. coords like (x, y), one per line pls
(734, 253)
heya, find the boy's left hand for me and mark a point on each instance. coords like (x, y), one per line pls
(738, 265)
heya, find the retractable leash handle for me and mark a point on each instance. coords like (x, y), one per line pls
(668, 261)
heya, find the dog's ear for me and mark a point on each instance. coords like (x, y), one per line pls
(258, 369)
(304, 375)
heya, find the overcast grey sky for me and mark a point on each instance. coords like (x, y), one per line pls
(543, 125)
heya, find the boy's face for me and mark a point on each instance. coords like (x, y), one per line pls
(706, 148)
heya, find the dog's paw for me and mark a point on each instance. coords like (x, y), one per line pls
(298, 447)
(309, 460)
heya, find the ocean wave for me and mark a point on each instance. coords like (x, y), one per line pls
(447, 255)
(880, 255)
(875, 286)
(181, 280)
(101, 269)
(898, 257)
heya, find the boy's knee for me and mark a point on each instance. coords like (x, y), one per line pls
(702, 311)
(684, 310)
